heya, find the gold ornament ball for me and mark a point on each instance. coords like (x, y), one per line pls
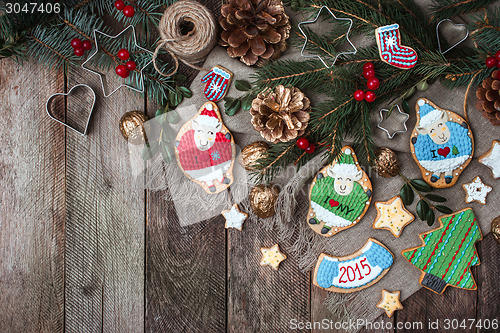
(132, 127)
(262, 200)
(251, 153)
(386, 162)
(495, 228)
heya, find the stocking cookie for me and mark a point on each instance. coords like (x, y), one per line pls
(476, 190)
(441, 144)
(354, 272)
(339, 195)
(492, 159)
(392, 215)
(390, 49)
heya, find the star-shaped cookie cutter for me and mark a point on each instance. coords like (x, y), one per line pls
(101, 75)
(307, 39)
(389, 135)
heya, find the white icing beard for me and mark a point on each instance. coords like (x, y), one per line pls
(328, 217)
(447, 165)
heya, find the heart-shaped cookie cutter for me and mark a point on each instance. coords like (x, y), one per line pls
(49, 100)
(455, 25)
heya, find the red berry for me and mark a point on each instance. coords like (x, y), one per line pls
(490, 62)
(367, 66)
(79, 52)
(370, 96)
(128, 11)
(131, 65)
(498, 64)
(369, 73)
(497, 56)
(76, 43)
(359, 95)
(122, 71)
(302, 143)
(123, 54)
(373, 83)
(87, 45)
(310, 149)
(119, 4)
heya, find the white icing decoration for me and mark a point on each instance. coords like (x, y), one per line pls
(421, 102)
(446, 165)
(328, 217)
(477, 191)
(431, 118)
(493, 161)
(234, 218)
(344, 169)
(347, 151)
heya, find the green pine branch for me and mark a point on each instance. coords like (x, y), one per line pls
(447, 9)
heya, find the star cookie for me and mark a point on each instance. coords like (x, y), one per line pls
(272, 256)
(234, 217)
(390, 302)
(392, 215)
(476, 191)
(492, 159)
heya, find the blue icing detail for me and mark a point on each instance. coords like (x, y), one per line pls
(379, 256)
(326, 272)
(459, 138)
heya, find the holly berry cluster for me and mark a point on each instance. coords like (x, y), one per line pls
(127, 10)
(80, 47)
(372, 83)
(130, 65)
(493, 61)
(304, 144)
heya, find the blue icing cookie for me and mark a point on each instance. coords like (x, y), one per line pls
(379, 256)
(326, 272)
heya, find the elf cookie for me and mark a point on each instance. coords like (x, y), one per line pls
(339, 195)
(390, 302)
(355, 272)
(448, 253)
(205, 150)
(492, 159)
(272, 256)
(476, 190)
(392, 215)
(217, 82)
(390, 49)
(441, 143)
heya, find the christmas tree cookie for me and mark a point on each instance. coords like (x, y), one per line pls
(441, 143)
(448, 253)
(339, 195)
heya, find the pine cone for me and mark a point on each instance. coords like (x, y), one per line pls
(280, 115)
(488, 99)
(254, 29)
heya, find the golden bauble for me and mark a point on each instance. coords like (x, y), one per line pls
(262, 200)
(132, 127)
(495, 228)
(386, 162)
(252, 153)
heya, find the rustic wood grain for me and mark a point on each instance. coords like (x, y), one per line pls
(488, 275)
(105, 221)
(186, 271)
(32, 211)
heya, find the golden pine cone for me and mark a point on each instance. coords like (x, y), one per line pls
(488, 98)
(280, 115)
(254, 29)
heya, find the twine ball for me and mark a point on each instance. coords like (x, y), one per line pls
(251, 153)
(188, 32)
(262, 200)
(132, 127)
(386, 162)
(495, 228)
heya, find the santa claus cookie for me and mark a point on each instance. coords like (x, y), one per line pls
(205, 150)
(441, 143)
(339, 195)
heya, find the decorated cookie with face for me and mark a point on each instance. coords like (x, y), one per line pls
(339, 195)
(441, 143)
(205, 150)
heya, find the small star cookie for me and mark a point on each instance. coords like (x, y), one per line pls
(390, 302)
(492, 159)
(392, 215)
(234, 217)
(476, 191)
(272, 256)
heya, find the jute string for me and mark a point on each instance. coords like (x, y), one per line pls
(190, 48)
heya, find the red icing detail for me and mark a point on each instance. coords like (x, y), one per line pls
(465, 270)
(455, 255)
(444, 151)
(191, 158)
(334, 203)
(437, 244)
(212, 113)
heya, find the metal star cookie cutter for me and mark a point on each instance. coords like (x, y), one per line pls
(455, 25)
(103, 84)
(307, 39)
(389, 135)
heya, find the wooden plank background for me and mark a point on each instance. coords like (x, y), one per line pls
(82, 250)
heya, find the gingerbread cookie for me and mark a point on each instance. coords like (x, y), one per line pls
(354, 272)
(390, 49)
(393, 216)
(476, 190)
(272, 256)
(492, 159)
(441, 143)
(448, 252)
(217, 83)
(390, 302)
(205, 150)
(339, 195)
(234, 217)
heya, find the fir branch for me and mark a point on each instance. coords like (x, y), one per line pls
(445, 9)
